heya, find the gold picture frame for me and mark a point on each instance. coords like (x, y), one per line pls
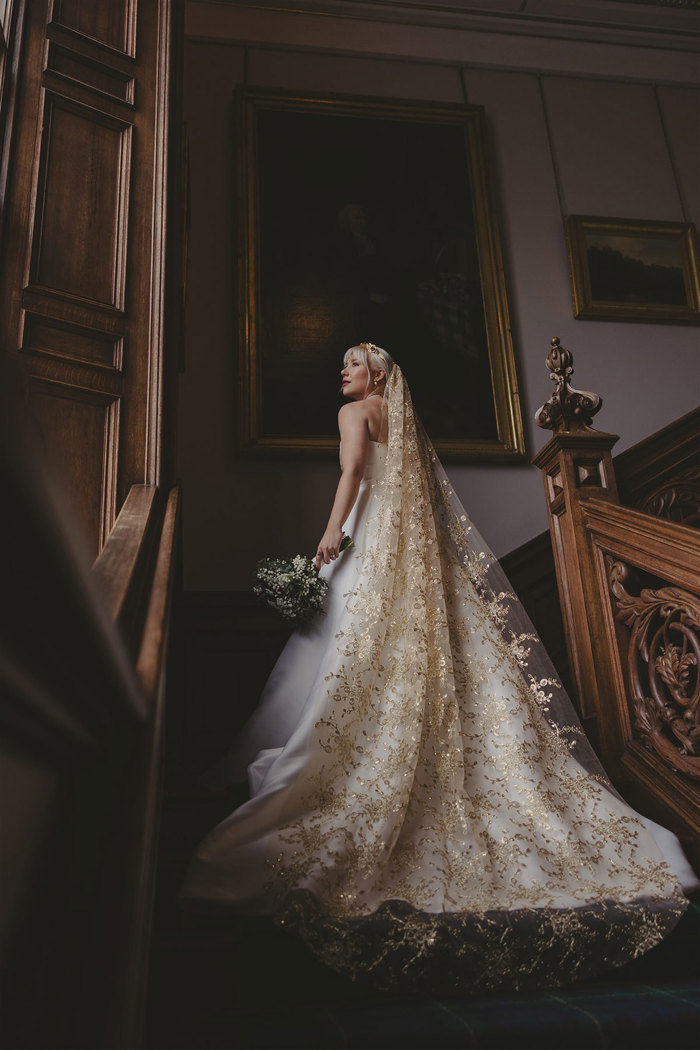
(633, 270)
(366, 220)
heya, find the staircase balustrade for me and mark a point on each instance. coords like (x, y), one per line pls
(83, 665)
(629, 586)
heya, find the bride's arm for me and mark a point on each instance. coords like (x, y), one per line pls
(354, 436)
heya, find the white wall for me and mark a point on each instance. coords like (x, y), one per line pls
(608, 144)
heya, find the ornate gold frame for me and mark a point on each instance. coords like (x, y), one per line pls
(509, 445)
(588, 308)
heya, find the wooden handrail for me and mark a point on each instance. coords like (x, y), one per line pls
(659, 459)
(670, 549)
(151, 659)
(151, 666)
(142, 561)
(118, 563)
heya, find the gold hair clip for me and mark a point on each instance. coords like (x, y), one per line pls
(371, 348)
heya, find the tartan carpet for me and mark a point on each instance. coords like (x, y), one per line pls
(241, 983)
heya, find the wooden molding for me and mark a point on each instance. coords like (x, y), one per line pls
(111, 26)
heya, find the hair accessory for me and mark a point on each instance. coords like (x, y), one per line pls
(371, 348)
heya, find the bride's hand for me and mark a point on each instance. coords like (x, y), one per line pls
(329, 546)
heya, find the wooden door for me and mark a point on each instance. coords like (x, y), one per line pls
(84, 213)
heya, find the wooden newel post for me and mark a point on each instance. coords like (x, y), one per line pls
(576, 464)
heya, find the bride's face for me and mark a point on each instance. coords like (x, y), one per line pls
(355, 377)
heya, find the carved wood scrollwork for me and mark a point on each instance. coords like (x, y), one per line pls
(567, 408)
(678, 499)
(663, 661)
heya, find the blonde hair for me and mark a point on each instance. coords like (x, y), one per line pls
(373, 357)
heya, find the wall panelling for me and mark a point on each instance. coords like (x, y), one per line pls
(111, 22)
(81, 294)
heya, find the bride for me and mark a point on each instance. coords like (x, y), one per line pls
(426, 811)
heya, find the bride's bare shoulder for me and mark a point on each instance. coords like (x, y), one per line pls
(353, 410)
(366, 413)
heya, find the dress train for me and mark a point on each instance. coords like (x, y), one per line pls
(425, 807)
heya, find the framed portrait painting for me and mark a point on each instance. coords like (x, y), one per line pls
(364, 220)
(633, 270)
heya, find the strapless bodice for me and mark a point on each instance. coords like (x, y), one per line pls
(376, 460)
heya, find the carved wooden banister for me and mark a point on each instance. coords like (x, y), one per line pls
(648, 581)
(629, 585)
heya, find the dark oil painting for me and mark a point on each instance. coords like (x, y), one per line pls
(367, 234)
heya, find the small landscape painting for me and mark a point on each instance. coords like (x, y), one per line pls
(633, 270)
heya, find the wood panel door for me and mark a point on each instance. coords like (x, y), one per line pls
(84, 212)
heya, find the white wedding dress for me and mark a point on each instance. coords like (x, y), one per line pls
(425, 809)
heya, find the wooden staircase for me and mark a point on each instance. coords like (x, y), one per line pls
(659, 475)
(239, 982)
(83, 664)
(629, 589)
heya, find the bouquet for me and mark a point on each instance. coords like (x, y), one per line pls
(293, 586)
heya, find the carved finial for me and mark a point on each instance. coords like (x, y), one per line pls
(567, 408)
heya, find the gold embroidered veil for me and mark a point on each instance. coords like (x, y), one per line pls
(455, 828)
